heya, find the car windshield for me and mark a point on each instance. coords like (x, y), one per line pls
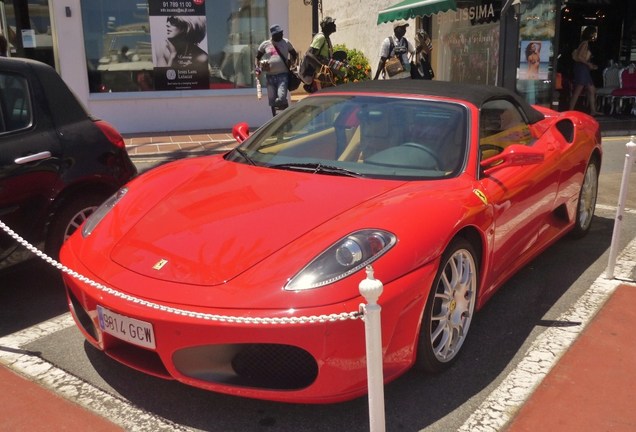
(365, 136)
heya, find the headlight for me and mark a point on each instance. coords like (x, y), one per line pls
(96, 217)
(345, 257)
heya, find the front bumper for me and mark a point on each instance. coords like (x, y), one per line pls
(305, 362)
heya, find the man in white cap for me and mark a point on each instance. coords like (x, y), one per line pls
(275, 57)
(396, 45)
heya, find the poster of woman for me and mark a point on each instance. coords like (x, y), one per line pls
(179, 47)
(534, 60)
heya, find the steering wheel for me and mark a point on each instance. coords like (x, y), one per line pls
(426, 150)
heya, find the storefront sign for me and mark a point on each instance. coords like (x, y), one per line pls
(178, 32)
(481, 13)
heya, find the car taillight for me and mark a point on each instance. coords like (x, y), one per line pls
(111, 133)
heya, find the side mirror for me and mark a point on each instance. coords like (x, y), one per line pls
(513, 155)
(241, 131)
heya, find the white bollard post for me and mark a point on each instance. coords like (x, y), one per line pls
(622, 196)
(371, 289)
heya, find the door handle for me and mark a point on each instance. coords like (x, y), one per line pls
(33, 157)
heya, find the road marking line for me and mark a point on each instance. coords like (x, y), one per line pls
(614, 208)
(513, 392)
(114, 408)
(622, 138)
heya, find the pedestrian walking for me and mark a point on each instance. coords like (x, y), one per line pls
(276, 56)
(583, 66)
(421, 64)
(318, 55)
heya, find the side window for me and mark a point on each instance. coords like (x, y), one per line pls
(501, 124)
(15, 103)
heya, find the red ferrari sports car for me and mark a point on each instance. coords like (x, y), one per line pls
(239, 273)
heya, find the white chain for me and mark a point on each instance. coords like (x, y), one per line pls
(200, 315)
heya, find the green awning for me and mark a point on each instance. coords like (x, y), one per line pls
(407, 9)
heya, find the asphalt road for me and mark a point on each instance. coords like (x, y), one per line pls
(500, 335)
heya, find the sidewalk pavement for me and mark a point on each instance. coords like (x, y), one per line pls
(186, 143)
(220, 141)
(591, 388)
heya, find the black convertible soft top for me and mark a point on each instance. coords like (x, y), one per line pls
(475, 94)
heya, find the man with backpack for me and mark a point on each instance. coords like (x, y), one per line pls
(394, 54)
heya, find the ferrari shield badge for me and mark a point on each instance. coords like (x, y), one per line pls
(481, 196)
(159, 265)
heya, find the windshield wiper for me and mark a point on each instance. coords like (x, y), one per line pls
(318, 168)
(245, 156)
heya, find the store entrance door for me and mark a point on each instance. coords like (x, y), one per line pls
(613, 20)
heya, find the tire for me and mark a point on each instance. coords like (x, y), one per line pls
(449, 309)
(68, 219)
(587, 201)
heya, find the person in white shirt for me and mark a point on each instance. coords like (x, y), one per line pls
(396, 45)
(275, 57)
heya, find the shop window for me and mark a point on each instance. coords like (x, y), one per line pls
(466, 44)
(172, 45)
(537, 31)
(27, 26)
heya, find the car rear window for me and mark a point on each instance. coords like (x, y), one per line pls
(15, 103)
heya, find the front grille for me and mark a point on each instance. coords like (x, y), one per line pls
(268, 366)
(138, 358)
(82, 317)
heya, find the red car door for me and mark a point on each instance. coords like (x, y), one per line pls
(522, 196)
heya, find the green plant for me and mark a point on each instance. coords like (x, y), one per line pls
(359, 68)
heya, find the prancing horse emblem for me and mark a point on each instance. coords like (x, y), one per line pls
(162, 262)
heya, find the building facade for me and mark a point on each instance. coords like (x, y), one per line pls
(153, 65)
(119, 56)
(491, 41)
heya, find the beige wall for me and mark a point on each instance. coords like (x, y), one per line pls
(357, 27)
(300, 25)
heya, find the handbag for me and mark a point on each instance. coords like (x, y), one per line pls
(426, 69)
(393, 66)
(306, 70)
(422, 70)
(415, 71)
(293, 81)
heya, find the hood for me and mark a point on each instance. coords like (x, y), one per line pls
(227, 219)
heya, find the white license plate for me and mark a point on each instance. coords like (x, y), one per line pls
(131, 330)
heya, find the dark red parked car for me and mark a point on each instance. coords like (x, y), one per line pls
(57, 162)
